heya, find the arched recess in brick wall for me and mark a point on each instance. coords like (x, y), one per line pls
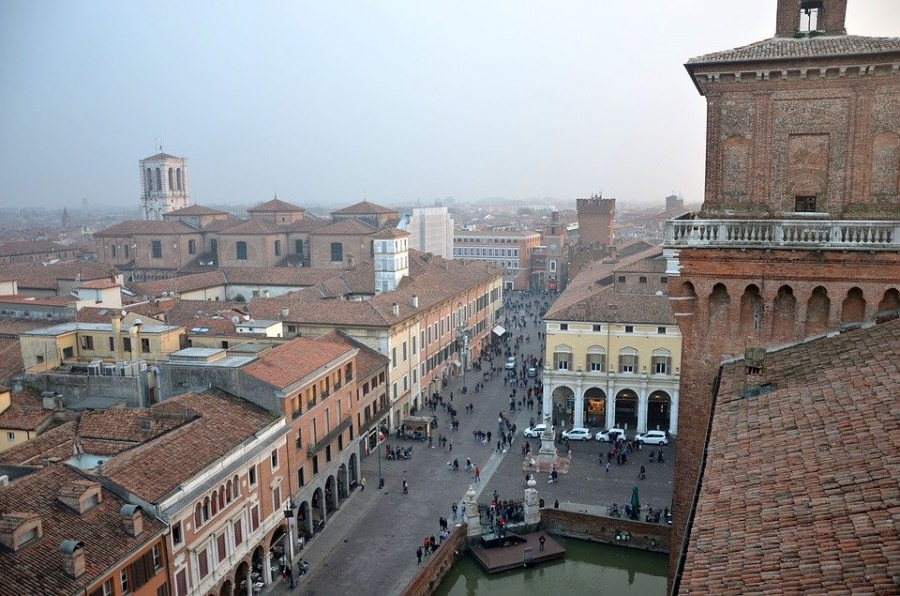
(784, 313)
(687, 303)
(889, 307)
(719, 305)
(853, 309)
(817, 312)
(751, 311)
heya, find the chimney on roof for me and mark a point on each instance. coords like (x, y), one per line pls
(285, 311)
(415, 301)
(133, 519)
(395, 308)
(73, 558)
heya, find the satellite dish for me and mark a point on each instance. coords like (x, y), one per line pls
(165, 294)
(235, 319)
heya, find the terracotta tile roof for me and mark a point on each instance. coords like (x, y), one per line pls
(800, 491)
(181, 284)
(609, 305)
(432, 279)
(307, 224)
(218, 225)
(30, 247)
(599, 274)
(46, 277)
(392, 233)
(11, 363)
(127, 427)
(281, 276)
(363, 208)
(352, 227)
(781, 48)
(274, 206)
(250, 227)
(99, 284)
(146, 228)
(185, 313)
(368, 361)
(38, 567)
(193, 210)
(58, 442)
(161, 156)
(292, 361)
(224, 423)
(26, 412)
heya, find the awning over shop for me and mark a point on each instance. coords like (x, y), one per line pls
(498, 330)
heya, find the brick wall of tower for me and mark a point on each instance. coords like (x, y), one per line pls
(596, 217)
(712, 333)
(787, 17)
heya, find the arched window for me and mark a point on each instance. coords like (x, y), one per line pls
(214, 503)
(222, 497)
(235, 487)
(206, 510)
(278, 248)
(192, 247)
(198, 515)
(228, 494)
(149, 180)
(158, 179)
(112, 250)
(178, 179)
(127, 252)
(241, 250)
(171, 179)
(337, 252)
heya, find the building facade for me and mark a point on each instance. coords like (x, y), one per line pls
(430, 230)
(509, 249)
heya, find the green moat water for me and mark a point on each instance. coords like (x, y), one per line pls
(588, 568)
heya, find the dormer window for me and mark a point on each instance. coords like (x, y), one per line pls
(80, 495)
(19, 529)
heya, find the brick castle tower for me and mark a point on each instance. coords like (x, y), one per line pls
(595, 221)
(799, 232)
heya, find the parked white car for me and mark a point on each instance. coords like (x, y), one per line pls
(535, 431)
(510, 363)
(652, 437)
(579, 433)
(610, 435)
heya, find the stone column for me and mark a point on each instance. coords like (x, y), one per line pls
(547, 404)
(532, 508)
(578, 415)
(474, 519)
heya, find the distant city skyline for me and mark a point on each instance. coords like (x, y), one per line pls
(397, 102)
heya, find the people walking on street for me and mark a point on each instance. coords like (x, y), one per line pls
(477, 474)
(542, 540)
(419, 556)
(455, 508)
(362, 484)
(643, 473)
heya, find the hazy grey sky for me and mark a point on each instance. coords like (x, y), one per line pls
(330, 102)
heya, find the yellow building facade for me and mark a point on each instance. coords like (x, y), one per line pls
(613, 360)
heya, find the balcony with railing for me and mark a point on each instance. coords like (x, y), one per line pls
(780, 234)
(314, 448)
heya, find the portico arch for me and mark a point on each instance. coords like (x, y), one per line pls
(659, 410)
(563, 404)
(595, 407)
(626, 409)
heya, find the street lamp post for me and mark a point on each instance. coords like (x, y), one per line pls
(289, 537)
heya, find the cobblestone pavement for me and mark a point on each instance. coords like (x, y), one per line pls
(370, 543)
